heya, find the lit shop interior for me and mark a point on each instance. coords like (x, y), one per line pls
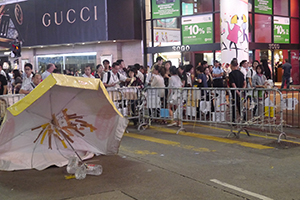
(273, 32)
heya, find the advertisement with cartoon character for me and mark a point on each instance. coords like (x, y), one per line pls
(234, 30)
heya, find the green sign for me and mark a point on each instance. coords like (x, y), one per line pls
(197, 29)
(165, 8)
(263, 6)
(281, 30)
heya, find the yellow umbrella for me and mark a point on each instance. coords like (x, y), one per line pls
(61, 113)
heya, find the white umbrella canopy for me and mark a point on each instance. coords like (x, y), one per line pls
(61, 113)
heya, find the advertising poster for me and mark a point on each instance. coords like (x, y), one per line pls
(234, 31)
(281, 30)
(197, 29)
(165, 8)
(163, 37)
(264, 6)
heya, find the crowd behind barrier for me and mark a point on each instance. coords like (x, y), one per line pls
(239, 95)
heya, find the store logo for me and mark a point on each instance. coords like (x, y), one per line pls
(84, 14)
(19, 14)
(181, 48)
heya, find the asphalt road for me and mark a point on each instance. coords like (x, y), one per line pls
(158, 164)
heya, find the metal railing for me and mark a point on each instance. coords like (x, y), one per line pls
(241, 108)
(291, 108)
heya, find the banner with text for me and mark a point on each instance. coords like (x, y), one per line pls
(281, 30)
(165, 8)
(197, 29)
(264, 6)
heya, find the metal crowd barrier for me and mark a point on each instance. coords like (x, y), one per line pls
(241, 108)
(291, 108)
(6, 101)
(129, 101)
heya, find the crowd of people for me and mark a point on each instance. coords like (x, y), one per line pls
(162, 74)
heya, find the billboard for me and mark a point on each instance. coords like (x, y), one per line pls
(43, 22)
(165, 8)
(264, 6)
(197, 29)
(281, 30)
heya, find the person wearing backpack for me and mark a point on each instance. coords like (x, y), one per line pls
(113, 78)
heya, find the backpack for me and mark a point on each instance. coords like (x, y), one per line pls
(109, 75)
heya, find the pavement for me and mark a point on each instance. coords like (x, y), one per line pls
(199, 163)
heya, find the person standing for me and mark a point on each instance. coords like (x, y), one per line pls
(50, 68)
(87, 72)
(113, 78)
(100, 72)
(106, 65)
(286, 74)
(28, 74)
(26, 89)
(236, 80)
(217, 74)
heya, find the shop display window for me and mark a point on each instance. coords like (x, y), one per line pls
(166, 32)
(281, 7)
(217, 27)
(73, 62)
(263, 28)
(294, 8)
(43, 61)
(148, 34)
(295, 31)
(190, 7)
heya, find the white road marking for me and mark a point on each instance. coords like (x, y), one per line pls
(240, 190)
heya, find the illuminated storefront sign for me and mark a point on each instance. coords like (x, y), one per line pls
(197, 29)
(165, 8)
(281, 30)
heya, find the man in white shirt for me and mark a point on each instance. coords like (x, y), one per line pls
(140, 75)
(217, 74)
(123, 69)
(28, 74)
(113, 77)
(244, 68)
(26, 89)
(50, 68)
(251, 72)
(87, 72)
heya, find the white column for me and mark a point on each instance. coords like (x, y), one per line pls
(234, 30)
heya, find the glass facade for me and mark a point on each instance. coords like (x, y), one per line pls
(271, 23)
(73, 62)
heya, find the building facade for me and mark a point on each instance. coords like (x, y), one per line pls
(72, 34)
(189, 31)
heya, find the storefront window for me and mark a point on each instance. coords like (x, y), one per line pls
(295, 8)
(281, 7)
(217, 27)
(79, 62)
(72, 62)
(166, 32)
(43, 61)
(148, 34)
(174, 57)
(295, 31)
(190, 7)
(263, 25)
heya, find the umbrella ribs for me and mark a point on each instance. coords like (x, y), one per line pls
(63, 133)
